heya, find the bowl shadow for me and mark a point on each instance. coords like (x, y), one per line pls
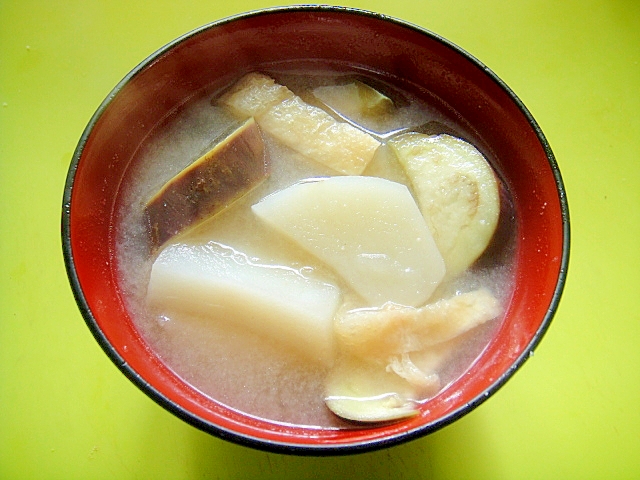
(430, 457)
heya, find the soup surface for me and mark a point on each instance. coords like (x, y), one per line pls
(243, 369)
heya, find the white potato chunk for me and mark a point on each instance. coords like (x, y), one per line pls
(219, 283)
(305, 128)
(457, 192)
(369, 230)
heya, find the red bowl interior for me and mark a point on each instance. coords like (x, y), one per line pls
(215, 55)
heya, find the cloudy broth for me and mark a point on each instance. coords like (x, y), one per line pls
(238, 368)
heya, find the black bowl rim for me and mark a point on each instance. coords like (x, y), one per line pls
(303, 448)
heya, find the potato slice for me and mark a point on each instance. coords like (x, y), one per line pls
(216, 282)
(457, 192)
(305, 128)
(394, 329)
(354, 100)
(230, 169)
(368, 229)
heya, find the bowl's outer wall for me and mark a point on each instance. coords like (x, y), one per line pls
(214, 56)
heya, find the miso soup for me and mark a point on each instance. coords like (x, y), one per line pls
(251, 369)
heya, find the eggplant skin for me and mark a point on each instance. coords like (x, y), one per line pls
(233, 167)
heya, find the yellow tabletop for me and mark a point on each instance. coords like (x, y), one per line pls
(572, 411)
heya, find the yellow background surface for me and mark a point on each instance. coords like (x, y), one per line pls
(572, 411)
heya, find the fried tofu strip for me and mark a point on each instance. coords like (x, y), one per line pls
(305, 128)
